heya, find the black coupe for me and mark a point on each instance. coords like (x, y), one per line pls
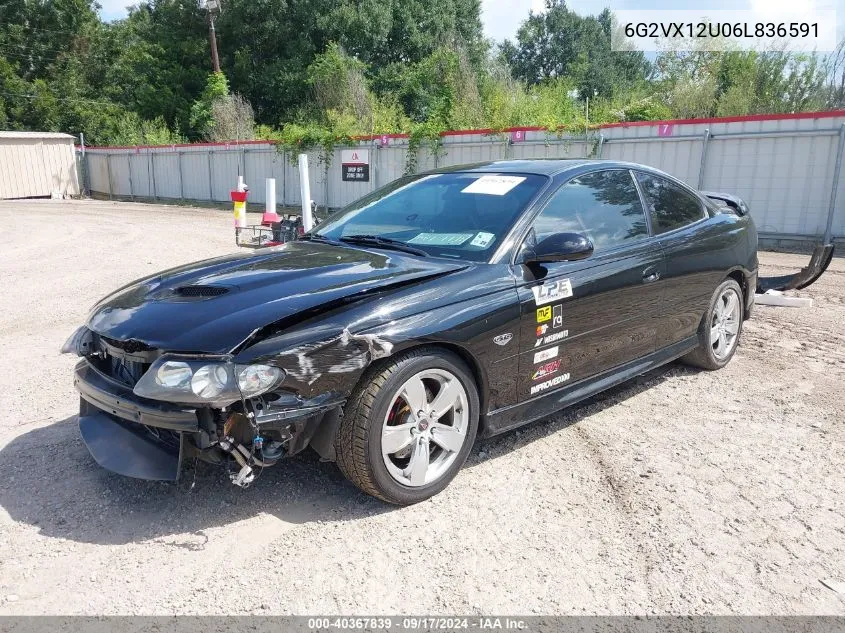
(445, 306)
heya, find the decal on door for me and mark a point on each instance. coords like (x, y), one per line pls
(557, 316)
(544, 314)
(549, 383)
(546, 293)
(503, 339)
(551, 338)
(546, 370)
(546, 354)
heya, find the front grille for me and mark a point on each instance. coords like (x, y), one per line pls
(126, 371)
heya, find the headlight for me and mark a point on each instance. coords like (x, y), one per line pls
(255, 379)
(173, 375)
(209, 381)
(214, 381)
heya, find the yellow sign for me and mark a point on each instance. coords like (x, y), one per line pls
(544, 314)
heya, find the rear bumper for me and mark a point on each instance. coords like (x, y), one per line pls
(129, 435)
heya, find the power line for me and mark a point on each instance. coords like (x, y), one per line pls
(69, 99)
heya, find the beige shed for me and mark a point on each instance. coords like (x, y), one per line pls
(34, 164)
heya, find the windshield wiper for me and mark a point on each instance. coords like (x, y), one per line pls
(314, 237)
(382, 242)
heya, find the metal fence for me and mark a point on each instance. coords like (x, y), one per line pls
(786, 167)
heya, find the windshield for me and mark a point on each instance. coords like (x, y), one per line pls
(460, 214)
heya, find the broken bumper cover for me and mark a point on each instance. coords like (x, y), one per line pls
(128, 435)
(820, 260)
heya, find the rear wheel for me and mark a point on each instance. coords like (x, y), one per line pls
(718, 334)
(409, 426)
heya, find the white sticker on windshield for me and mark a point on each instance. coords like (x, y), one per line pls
(482, 239)
(440, 239)
(493, 185)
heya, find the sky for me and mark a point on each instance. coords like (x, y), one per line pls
(502, 17)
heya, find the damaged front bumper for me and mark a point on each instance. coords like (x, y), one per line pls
(127, 435)
(148, 439)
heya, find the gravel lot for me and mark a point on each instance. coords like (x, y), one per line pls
(680, 492)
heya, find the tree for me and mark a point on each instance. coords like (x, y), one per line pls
(561, 43)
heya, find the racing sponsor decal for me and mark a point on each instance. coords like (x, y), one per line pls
(546, 354)
(546, 370)
(542, 329)
(557, 316)
(553, 382)
(551, 338)
(546, 293)
(503, 339)
(544, 314)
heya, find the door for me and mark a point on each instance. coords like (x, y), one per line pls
(582, 318)
(699, 253)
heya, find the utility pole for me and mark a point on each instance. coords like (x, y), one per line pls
(213, 6)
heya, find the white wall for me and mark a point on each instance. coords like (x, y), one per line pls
(782, 166)
(37, 164)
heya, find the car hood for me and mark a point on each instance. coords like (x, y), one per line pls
(212, 306)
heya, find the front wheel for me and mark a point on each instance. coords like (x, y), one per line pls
(718, 334)
(409, 427)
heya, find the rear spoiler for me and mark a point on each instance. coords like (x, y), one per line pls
(734, 202)
(819, 261)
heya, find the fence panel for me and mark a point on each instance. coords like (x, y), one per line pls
(783, 166)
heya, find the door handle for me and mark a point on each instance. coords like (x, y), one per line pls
(650, 275)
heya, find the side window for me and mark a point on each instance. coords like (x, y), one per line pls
(671, 206)
(603, 205)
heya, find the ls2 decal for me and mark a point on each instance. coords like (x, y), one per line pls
(544, 314)
(549, 383)
(503, 339)
(546, 293)
(546, 354)
(551, 338)
(546, 370)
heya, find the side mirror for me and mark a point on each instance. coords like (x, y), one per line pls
(560, 247)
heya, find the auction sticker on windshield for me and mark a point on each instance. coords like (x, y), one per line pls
(493, 185)
(440, 239)
(482, 239)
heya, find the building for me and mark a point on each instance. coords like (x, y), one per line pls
(37, 164)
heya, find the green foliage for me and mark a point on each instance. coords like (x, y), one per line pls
(560, 43)
(315, 74)
(216, 87)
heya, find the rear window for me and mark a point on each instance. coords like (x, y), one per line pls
(671, 206)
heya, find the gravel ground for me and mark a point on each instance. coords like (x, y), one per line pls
(679, 492)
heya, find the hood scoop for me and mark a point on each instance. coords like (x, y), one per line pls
(199, 292)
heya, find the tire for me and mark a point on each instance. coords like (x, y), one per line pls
(378, 413)
(720, 329)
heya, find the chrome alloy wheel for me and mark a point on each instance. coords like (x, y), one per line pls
(425, 427)
(725, 324)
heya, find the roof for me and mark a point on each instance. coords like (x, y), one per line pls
(34, 135)
(544, 167)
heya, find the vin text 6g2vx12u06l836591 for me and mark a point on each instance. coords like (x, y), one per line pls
(445, 306)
